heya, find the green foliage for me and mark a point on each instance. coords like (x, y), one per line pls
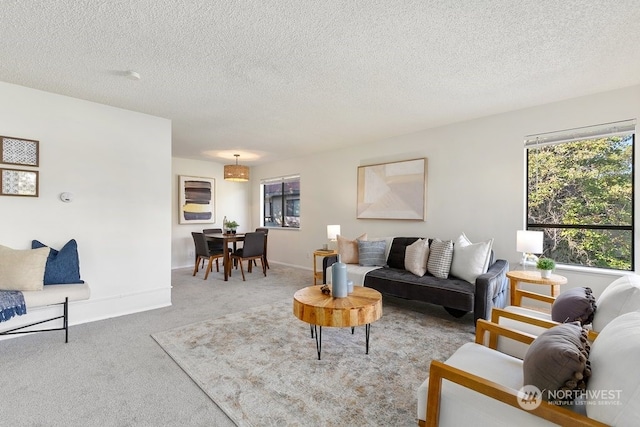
(232, 224)
(587, 182)
(546, 264)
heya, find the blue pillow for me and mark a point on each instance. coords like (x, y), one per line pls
(62, 266)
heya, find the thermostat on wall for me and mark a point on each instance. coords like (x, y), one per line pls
(66, 197)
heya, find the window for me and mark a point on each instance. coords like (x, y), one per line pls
(580, 194)
(281, 202)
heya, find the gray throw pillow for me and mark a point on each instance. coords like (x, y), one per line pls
(371, 252)
(557, 362)
(574, 305)
(440, 256)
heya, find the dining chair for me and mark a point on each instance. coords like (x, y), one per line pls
(214, 245)
(203, 252)
(253, 249)
(264, 230)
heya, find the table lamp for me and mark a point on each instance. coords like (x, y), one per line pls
(332, 235)
(529, 243)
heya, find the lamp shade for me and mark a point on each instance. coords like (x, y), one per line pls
(530, 242)
(236, 172)
(333, 231)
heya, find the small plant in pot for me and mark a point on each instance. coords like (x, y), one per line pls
(546, 265)
(231, 226)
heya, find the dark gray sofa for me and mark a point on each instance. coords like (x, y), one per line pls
(457, 296)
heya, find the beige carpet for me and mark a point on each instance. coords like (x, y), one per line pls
(260, 366)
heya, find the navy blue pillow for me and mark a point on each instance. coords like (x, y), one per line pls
(62, 266)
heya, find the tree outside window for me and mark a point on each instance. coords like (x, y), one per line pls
(581, 194)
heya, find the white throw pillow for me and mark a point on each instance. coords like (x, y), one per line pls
(470, 259)
(614, 382)
(415, 257)
(22, 270)
(621, 296)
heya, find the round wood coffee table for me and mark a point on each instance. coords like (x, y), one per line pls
(362, 307)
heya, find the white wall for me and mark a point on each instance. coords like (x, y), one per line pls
(117, 163)
(476, 180)
(231, 200)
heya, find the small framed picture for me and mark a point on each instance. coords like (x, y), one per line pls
(19, 151)
(16, 182)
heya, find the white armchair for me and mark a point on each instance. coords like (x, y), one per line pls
(620, 296)
(478, 385)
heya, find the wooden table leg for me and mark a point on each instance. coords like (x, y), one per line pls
(513, 288)
(227, 261)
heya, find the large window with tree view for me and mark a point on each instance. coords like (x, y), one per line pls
(580, 193)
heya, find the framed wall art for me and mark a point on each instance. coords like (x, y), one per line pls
(196, 202)
(15, 182)
(19, 151)
(394, 190)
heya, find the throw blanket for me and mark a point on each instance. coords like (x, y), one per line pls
(11, 304)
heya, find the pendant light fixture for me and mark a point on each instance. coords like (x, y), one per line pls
(237, 173)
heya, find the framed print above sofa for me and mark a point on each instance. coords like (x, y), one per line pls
(394, 190)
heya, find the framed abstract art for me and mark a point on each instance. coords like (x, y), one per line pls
(197, 196)
(394, 190)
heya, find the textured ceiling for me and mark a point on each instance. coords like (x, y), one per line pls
(284, 78)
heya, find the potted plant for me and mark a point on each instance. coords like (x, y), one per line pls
(546, 265)
(232, 226)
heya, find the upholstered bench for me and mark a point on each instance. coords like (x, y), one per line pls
(39, 278)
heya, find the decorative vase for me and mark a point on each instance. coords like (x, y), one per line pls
(349, 287)
(545, 274)
(339, 285)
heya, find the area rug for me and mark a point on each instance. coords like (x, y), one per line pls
(261, 368)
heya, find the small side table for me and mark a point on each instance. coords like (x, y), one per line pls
(533, 277)
(320, 253)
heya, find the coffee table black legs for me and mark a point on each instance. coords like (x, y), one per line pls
(316, 331)
(367, 329)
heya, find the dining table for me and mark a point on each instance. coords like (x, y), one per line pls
(226, 238)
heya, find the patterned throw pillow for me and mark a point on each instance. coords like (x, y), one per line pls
(440, 256)
(415, 257)
(371, 253)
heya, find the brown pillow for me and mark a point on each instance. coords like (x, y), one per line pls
(348, 249)
(574, 305)
(557, 362)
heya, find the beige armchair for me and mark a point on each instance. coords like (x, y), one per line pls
(479, 385)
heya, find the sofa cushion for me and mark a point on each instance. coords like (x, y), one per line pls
(574, 305)
(348, 249)
(63, 266)
(440, 256)
(614, 361)
(372, 252)
(452, 292)
(22, 270)
(470, 259)
(620, 297)
(557, 360)
(397, 251)
(415, 257)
